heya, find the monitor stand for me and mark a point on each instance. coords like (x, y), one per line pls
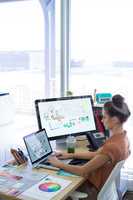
(60, 144)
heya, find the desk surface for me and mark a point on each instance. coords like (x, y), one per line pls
(76, 181)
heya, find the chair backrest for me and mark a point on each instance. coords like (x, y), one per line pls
(109, 189)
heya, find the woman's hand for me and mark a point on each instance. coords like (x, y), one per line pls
(63, 155)
(53, 160)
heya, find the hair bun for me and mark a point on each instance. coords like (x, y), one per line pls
(118, 100)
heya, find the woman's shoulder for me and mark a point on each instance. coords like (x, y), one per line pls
(116, 140)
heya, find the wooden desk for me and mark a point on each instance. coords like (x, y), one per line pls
(76, 181)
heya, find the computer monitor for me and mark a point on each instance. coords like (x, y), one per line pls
(65, 115)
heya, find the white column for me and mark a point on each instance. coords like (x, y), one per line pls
(65, 46)
(49, 51)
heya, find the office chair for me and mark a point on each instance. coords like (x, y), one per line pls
(109, 190)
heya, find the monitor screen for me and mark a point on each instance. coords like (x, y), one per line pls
(66, 115)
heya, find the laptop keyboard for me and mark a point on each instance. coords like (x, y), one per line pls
(45, 162)
(78, 162)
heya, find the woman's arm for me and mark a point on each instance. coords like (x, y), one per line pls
(81, 155)
(85, 155)
(98, 161)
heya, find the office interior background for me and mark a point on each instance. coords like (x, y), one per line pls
(48, 47)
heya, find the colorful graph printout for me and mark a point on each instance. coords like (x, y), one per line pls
(47, 188)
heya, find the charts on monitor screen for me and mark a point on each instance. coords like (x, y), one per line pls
(64, 116)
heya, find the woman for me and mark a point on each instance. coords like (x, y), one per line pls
(116, 148)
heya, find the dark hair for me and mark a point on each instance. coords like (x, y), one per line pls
(117, 107)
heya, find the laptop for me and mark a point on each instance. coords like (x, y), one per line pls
(39, 149)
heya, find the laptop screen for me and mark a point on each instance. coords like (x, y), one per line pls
(38, 145)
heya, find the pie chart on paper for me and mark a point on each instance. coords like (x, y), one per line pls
(49, 187)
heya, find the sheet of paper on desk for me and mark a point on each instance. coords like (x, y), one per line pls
(47, 188)
(28, 173)
(31, 175)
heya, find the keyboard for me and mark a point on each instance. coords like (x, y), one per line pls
(78, 162)
(45, 162)
(47, 165)
(72, 162)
